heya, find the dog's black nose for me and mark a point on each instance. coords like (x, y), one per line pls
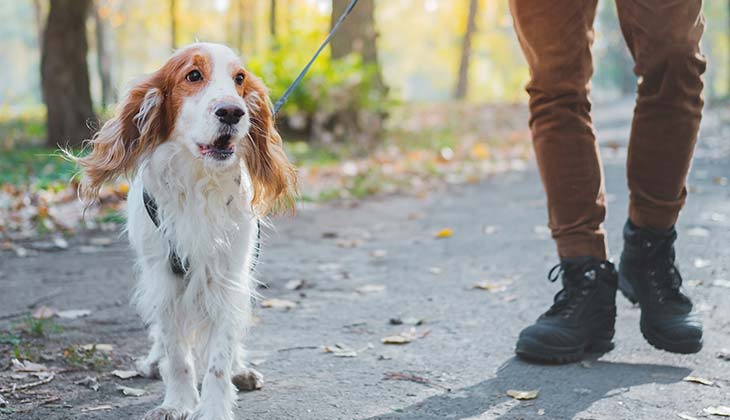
(229, 114)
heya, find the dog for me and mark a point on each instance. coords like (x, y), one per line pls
(198, 141)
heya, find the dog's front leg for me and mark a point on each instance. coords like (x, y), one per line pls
(177, 369)
(217, 392)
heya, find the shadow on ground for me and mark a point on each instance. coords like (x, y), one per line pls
(564, 391)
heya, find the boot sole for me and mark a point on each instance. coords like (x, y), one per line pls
(682, 347)
(535, 351)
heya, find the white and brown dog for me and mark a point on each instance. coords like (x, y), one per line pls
(198, 138)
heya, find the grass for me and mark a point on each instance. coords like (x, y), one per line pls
(40, 167)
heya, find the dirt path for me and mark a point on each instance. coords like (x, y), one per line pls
(460, 363)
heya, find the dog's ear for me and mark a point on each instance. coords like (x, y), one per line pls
(133, 131)
(273, 176)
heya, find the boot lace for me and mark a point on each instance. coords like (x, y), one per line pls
(663, 274)
(578, 282)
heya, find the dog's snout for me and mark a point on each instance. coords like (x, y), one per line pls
(229, 113)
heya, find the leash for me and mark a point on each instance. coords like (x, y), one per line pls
(295, 83)
(180, 267)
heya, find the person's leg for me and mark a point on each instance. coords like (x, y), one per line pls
(664, 39)
(556, 38)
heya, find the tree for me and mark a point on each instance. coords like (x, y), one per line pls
(65, 74)
(462, 82)
(272, 21)
(357, 34)
(103, 58)
(173, 23)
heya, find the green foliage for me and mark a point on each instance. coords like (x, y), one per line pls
(85, 358)
(39, 327)
(41, 167)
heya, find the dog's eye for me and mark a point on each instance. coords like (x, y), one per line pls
(239, 78)
(194, 76)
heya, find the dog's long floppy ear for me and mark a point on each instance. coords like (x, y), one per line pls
(116, 149)
(273, 176)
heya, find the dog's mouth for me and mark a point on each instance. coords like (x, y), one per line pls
(221, 149)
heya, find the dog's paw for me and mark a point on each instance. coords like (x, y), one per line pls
(203, 413)
(248, 380)
(149, 369)
(166, 413)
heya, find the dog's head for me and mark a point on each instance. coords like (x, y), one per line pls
(216, 110)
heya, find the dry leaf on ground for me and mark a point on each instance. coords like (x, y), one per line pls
(444, 233)
(523, 395)
(104, 348)
(44, 312)
(721, 283)
(397, 339)
(125, 374)
(88, 382)
(27, 366)
(278, 304)
(698, 380)
(490, 287)
(720, 410)
(686, 416)
(340, 350)
(97, 408)
(370, 288)
(74, 313)
(131, 392)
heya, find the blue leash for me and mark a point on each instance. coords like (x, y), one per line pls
(290, 89)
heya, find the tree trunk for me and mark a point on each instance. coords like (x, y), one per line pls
(272, 21)
(103, 59)
(462, 84)
(173, 23)
(65, 74)
(357, 33)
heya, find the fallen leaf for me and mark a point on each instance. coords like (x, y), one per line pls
(278, 304)
(490, 287)
(686, 417)
(74, 313)
(131, 392)
(444, 233)
(97, 408)
(698, 380)
(397, 339)
(489, 229)
(125, 374)
(340, 350)
(44, 312)
(379, 253)
(27, 366)
(296, 284)
(720, 410)
(3, 403)
(723, 355)
(523, 395)
(349, 243)
(541, 412)
(370, 288)
(700, 263)
(88, 382)
(104, 348)
(721, 283)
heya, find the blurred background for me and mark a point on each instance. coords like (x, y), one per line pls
(411, 95)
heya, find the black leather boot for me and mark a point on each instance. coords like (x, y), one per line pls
(648, 275)
(580, 321)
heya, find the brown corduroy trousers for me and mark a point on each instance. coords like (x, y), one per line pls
(663, 37)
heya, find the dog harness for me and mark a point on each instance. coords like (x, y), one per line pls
(177, 265)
